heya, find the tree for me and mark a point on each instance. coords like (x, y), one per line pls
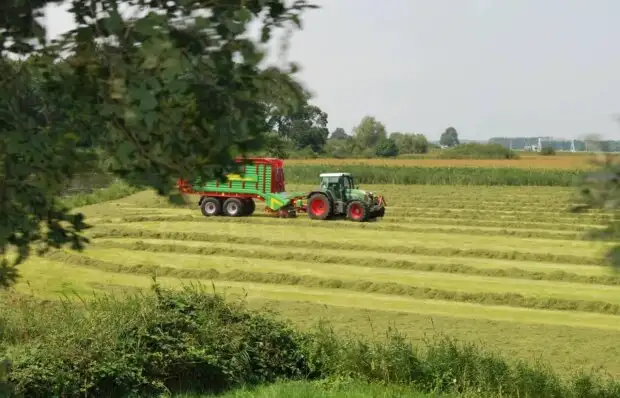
(601, 190)
(410, 143)
(420, 143)
(386, 147)
(339, 134)
(177, 92)
(369, 132)
(305, 128)
(449, 137)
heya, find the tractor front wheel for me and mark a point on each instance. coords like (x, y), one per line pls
(319, 207)
(357, 211)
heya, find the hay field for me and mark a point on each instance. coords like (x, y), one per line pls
(527, 160)
(500, 265)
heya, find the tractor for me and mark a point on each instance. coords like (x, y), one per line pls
(337, 196)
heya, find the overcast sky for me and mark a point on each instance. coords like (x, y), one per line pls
(486, 67)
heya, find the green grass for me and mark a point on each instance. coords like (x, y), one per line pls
(353, 389)
(407, 175)
(509, 264)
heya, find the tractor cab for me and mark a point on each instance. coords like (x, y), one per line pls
(339, 184)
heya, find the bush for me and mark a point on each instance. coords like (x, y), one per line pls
(386, 148)
(547, 151)
(170, 341)
(478, 151)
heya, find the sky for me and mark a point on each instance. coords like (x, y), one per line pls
(485, 67)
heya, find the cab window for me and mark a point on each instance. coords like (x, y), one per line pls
(347, 183)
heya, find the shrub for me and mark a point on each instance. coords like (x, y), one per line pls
(478, 151)
(547, 151)
(170, 341)
(386, 148)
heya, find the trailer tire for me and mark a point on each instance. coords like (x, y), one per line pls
(357, 211)
(234, 207)
(249, 206)
(210, 206)
(319, 207)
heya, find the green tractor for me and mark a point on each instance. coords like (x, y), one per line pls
(338, 196)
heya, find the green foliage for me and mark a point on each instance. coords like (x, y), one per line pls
(386, 147)
(170, 341)
(339, 134)
(410, 143)
(305, 128)
(162, 101)
(478, 151)
(449, 137)
(547, 151)
(194, 342)
(374, 174)
(369, 133)
(601, 190)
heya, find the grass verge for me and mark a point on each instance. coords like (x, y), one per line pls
(193, 342)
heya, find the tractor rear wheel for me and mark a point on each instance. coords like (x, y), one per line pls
(249, 206)
(319, 207)
(211, 207)
(357, 211)
(233, 207)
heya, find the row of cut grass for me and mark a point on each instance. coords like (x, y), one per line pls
(463, 283)
(576, 252)
(127, 214)
(263, 273)
(383, 226)
(470, 266)
(44, 278)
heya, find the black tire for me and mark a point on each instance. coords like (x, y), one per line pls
(233, 207)
(249, 207)
(319, 207)
(357, 211)
(211, 207)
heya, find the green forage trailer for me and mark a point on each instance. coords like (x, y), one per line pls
(263, 179)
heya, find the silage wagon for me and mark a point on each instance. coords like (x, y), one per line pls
(263, 179)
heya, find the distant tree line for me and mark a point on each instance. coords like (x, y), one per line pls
(305, 134)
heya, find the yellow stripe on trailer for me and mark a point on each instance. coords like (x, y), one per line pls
(237, 177)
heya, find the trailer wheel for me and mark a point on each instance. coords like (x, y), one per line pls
(357, 211)
(249, 206)
(210, 206)
(319, 207)
(233, 207)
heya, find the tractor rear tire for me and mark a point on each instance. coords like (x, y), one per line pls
(319, 207)
(211, 207)
(234, 207)
(249, 206)
(357, 211)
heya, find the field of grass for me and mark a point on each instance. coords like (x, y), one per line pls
(503, 266)
(527, 160)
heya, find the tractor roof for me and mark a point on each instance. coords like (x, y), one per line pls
(334, 174)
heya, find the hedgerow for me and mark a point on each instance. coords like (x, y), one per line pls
(193, 341)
